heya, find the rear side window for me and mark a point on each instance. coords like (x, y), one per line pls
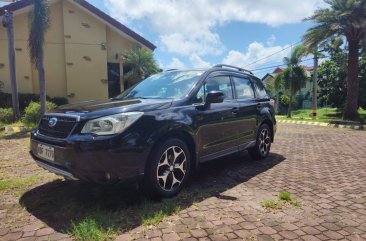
(259, 89)
(243, 87)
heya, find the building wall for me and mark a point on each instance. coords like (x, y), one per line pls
(86, 59)
(78, 47)
(22, 62)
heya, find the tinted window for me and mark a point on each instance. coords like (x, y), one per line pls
(243, 87)
(259, 89)
(220, 83)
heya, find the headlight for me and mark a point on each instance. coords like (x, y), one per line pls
(112, 124)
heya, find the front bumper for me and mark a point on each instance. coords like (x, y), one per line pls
(91, 158)
(57, 170)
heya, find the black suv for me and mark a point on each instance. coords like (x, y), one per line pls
(160, 129)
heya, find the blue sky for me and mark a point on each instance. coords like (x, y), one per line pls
(200, 33)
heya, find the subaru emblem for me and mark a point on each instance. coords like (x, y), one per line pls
(52, 122)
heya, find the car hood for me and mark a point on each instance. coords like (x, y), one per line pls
(98, 108)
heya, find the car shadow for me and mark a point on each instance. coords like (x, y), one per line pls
(61, 204)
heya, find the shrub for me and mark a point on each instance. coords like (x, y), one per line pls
(6, 115)
(33, 114)
(26, 99)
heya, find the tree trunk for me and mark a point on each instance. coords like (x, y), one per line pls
(8, 21)
(289, 107)
(315, 85)
(352, 81)
(42, 82)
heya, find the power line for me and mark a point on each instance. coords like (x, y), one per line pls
(280, 65)
(272, 54)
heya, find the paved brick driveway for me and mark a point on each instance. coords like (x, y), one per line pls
(324, 169)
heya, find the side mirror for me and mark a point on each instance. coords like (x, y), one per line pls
(214, 97)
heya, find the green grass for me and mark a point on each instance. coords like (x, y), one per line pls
(151, 216)
(16, 183)
(99, 226)
(283, 198)
(271, 204)
(323, 115)
(286, 196)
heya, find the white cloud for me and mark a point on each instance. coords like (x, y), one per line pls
(197, 62)
(188, 27)
(175, 64)
(257, 53)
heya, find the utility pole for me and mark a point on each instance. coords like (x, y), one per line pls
(315, 85)
(8, 24)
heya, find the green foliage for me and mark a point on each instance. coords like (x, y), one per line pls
(142, 64)
(98, 226)
(15, 183)
(271, 204)
(286, 196)
(25, 99)
(6, 115)
(293, 77)
(333, 77)
(323, 114)
(342, 17)
(33, 113)
(151, 216)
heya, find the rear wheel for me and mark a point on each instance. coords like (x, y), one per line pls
(263, 143)
(168, 169)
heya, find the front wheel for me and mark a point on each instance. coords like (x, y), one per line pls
(263, 143)
(168, 169)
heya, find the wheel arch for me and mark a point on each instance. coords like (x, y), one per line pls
(182, 135)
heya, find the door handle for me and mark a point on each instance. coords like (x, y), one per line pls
(259, 106)
(235, 111)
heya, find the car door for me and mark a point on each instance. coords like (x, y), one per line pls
(217, 133)
(247, 114)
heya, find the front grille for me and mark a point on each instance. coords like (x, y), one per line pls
(62, 129)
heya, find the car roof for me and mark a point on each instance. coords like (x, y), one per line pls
(218, 67)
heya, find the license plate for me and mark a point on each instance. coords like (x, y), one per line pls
(47, 152)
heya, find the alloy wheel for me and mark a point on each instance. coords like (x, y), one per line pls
(172, 168)
(264, 142)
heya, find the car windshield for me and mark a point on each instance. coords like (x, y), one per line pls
(167, 85)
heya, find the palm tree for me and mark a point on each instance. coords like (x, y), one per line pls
(40, 23)
(293, 77)
(142, 64)
(343, 18)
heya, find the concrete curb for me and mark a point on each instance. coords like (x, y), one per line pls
(353, 127)
(11, 130)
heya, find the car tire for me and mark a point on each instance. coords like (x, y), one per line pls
(263, 143)
(168, 169)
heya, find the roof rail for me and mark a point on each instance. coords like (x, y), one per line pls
(170, 70)
(232, 67)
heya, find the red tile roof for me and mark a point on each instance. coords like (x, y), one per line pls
(24, 3)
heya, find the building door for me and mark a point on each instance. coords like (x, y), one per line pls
(114, 86)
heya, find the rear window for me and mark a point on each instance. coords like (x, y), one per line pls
(259, 89)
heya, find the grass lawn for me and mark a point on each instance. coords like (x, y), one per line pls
(323, 115)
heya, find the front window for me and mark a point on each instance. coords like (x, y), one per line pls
(217, 83)
(167, 85)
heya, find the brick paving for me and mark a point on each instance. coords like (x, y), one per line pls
(323, 168)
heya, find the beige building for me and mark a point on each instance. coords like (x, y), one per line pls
(82, 51)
